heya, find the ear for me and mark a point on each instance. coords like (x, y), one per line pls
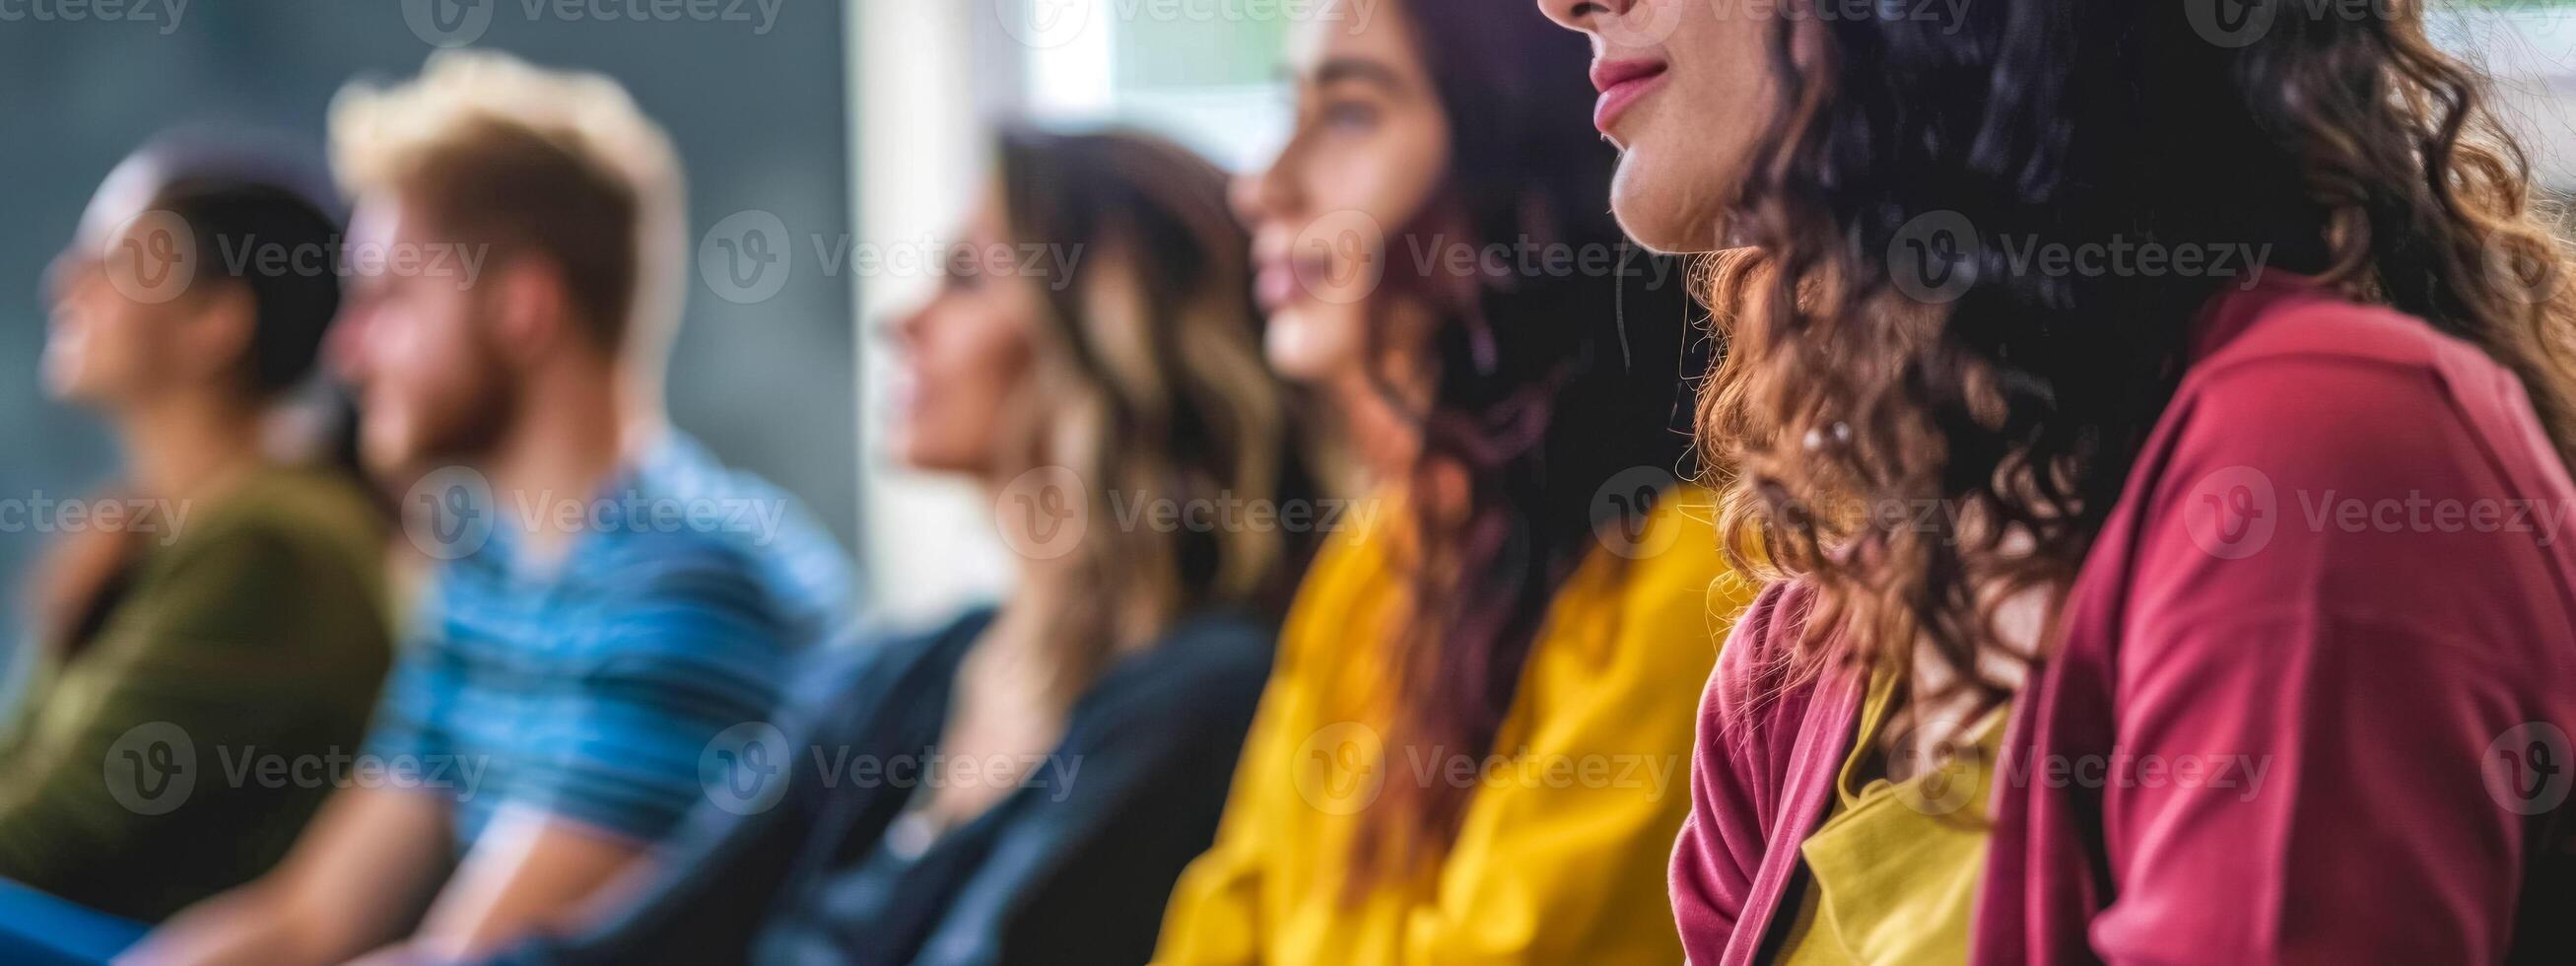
(531, 315)
(214, 339)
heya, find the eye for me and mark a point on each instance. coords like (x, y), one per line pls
(1348, 117)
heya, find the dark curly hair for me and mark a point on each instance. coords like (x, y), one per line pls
(2017, 400)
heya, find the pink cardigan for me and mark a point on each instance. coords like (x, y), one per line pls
(2311, 701)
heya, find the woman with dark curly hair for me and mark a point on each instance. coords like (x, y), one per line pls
(2156, 419)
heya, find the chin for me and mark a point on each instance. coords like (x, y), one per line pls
(1304, 348)
(1659, 215)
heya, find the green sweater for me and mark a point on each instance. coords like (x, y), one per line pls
(180, 753)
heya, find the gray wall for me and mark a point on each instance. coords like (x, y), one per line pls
(759, 117)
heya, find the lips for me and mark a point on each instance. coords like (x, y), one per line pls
(1621, 83)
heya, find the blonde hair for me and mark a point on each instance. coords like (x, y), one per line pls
(485, 129)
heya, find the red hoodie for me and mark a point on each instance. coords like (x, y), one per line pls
(2311, 698)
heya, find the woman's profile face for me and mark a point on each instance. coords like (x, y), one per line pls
(965, 356)
(1369, 149)
(1686, 91)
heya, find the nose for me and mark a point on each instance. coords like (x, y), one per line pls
(1577, 15)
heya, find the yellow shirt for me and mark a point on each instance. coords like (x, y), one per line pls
(1562, 855)
(1892, 874)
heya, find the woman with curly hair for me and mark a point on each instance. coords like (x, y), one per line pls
(2156, 420)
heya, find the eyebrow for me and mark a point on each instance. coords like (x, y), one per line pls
(1339, 69)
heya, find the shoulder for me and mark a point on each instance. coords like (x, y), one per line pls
(2321, 397)
(2327, 377)
(1210, 657)
(283, 514)
(1200, 682)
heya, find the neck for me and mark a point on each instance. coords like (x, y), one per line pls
(567, 438)
(189, 445)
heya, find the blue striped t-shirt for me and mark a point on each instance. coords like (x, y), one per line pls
(589, 691)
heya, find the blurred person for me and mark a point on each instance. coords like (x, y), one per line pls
(597, 618)
(221, 602)
(2222, 645)
(1471, 745)
(1112, 687)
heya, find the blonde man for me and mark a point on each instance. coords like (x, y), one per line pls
(607, 602)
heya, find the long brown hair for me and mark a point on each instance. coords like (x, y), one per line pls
(2016, 401)
(1164, 397)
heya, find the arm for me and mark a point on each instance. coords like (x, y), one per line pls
(702, 899)
(1708, 879)
(1214, 915)
(353, 881)
(200, 661)
(2345, 684)
(693, 650)
(529, 871)
(1567, 863)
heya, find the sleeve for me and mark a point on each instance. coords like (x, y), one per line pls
(704, 895)
(1709, 880)
(1563, 858)
(2306, 692)
(695, 648)
(1214, 917)
(96, 795)
(1085, 877)
(408, 724)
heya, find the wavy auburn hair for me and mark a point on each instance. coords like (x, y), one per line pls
(2356, 149)
(1550, 387)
